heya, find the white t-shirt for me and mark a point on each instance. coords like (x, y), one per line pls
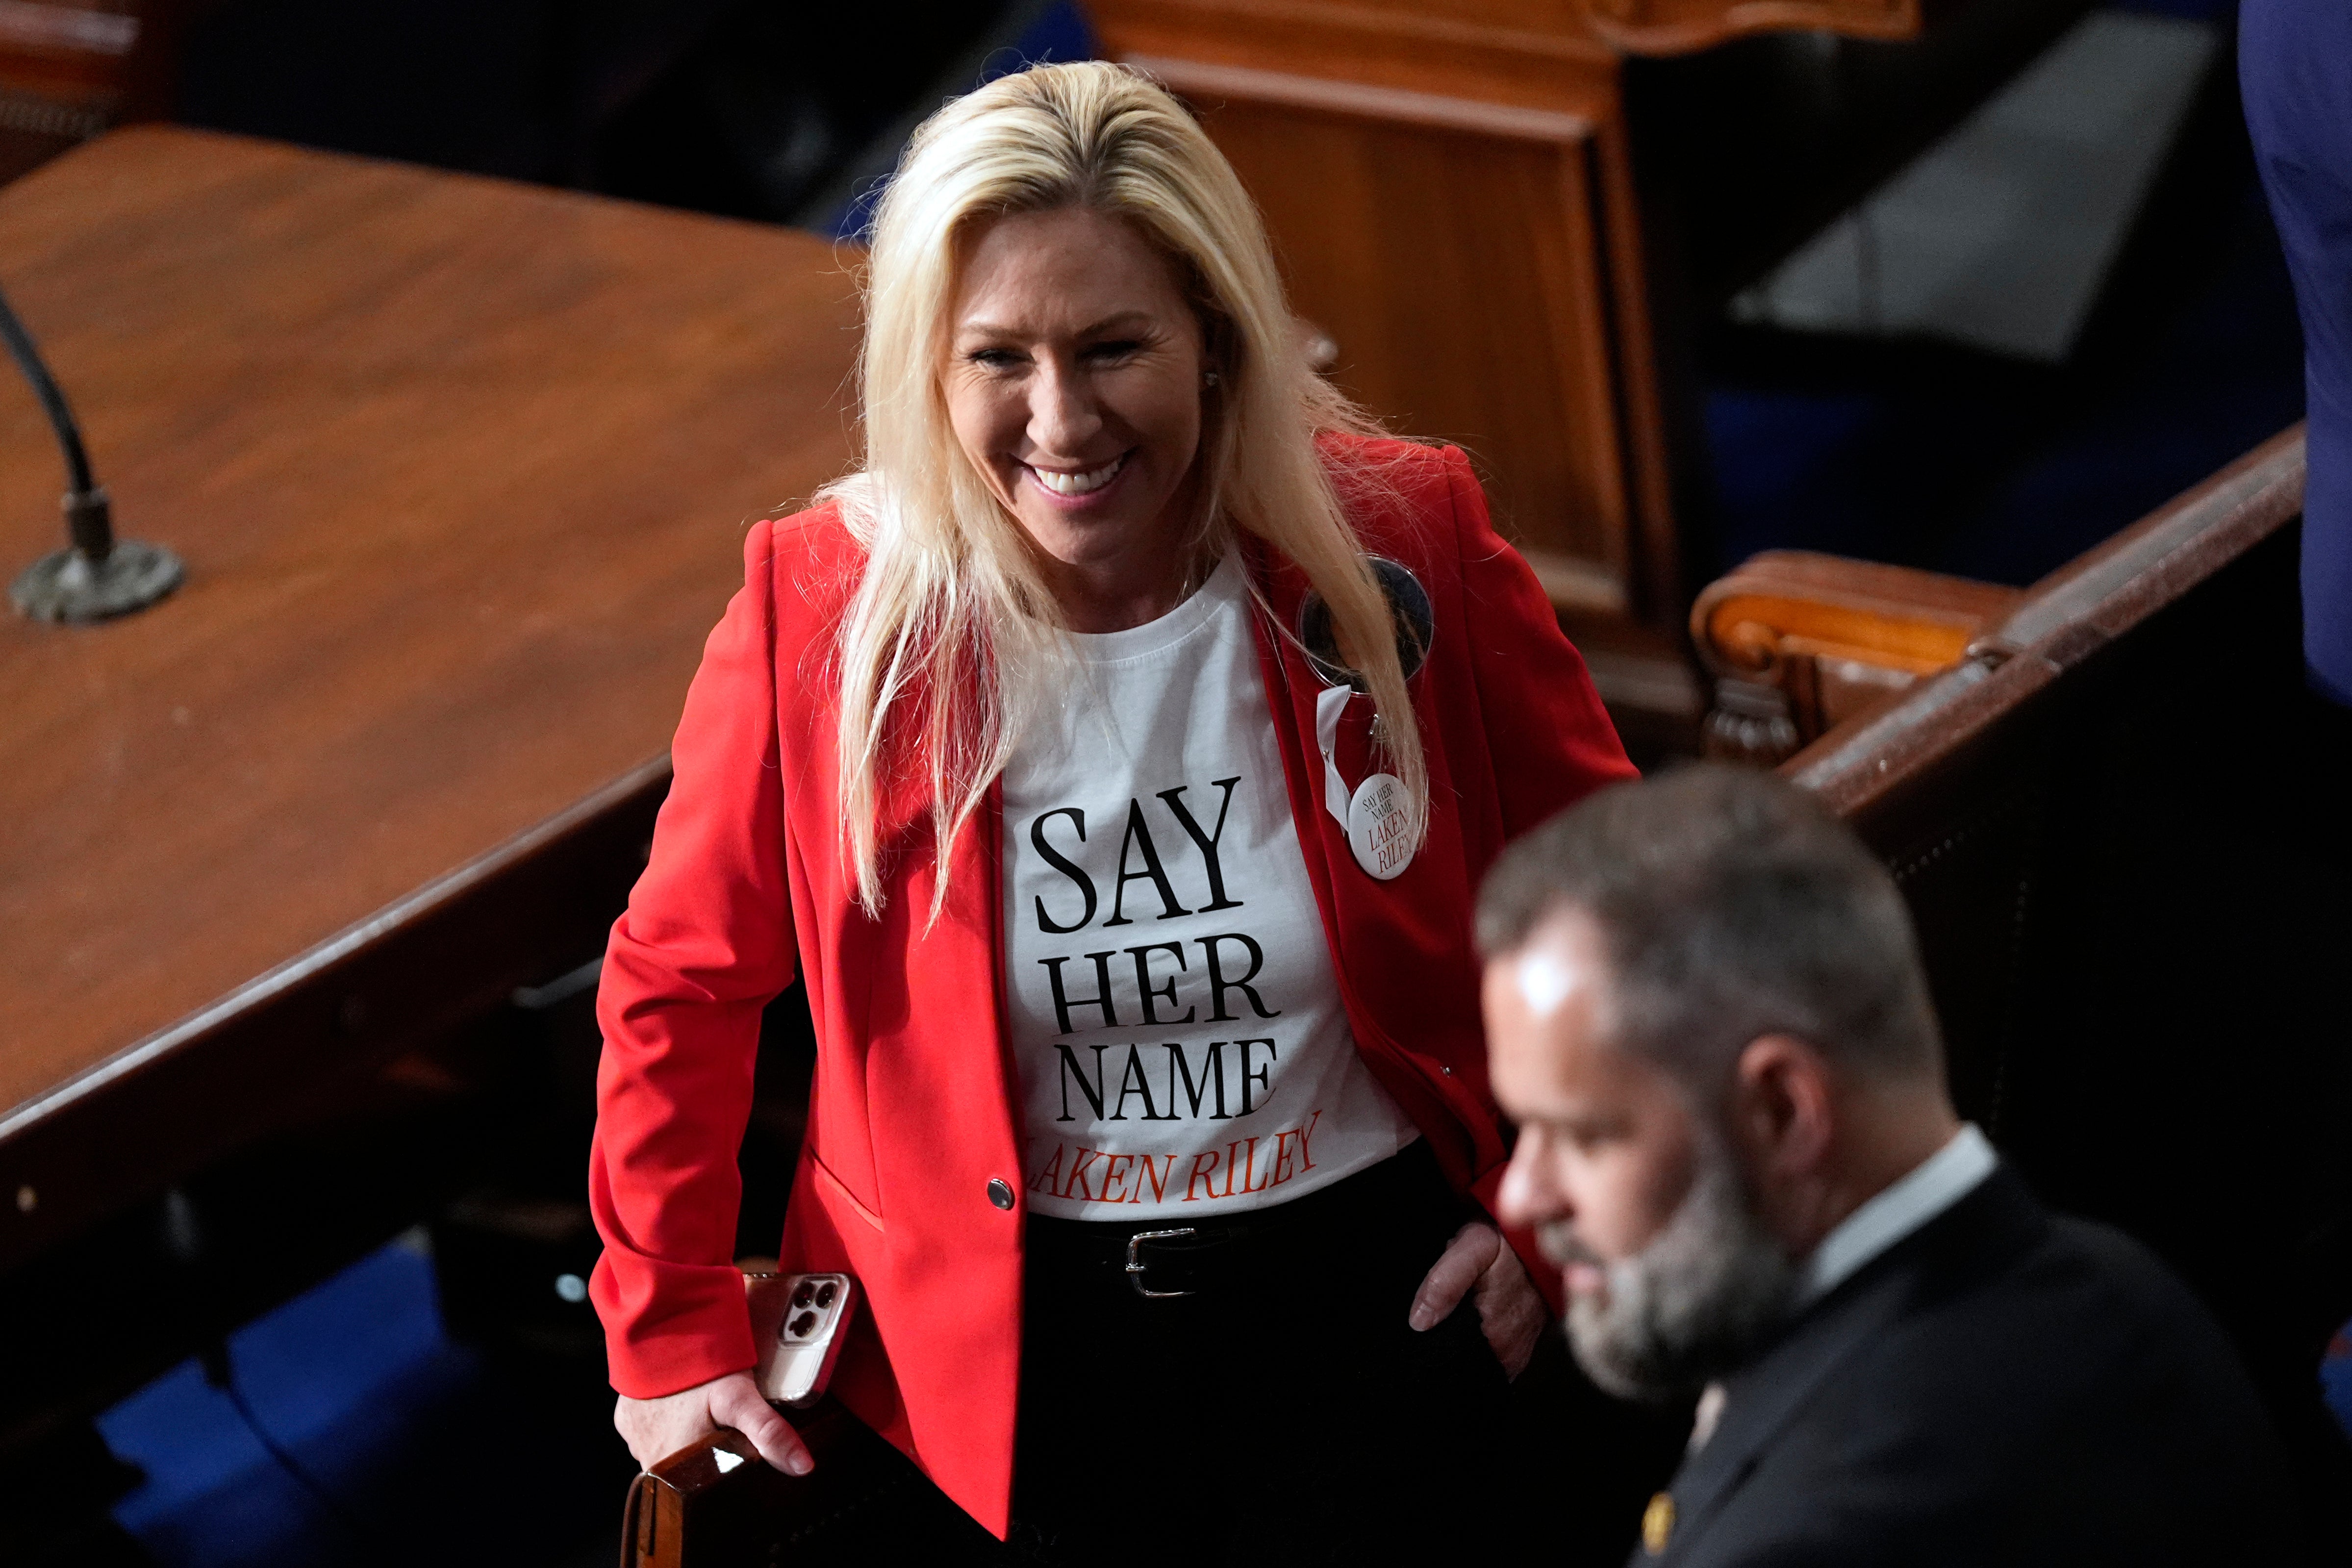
(1172, 1010)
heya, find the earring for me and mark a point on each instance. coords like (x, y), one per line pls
(1208, 378)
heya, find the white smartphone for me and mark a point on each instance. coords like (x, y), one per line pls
(799, 1322)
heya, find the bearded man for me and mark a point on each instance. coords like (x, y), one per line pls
(1705, 1010)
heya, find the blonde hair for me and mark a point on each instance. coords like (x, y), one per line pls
(951, 594)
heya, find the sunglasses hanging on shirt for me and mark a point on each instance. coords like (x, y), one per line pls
(1378, 815)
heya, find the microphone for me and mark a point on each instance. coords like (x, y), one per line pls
(96, 576)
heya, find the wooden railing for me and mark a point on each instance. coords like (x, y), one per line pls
(1806, 647)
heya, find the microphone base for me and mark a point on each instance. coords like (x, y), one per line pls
(70, 587)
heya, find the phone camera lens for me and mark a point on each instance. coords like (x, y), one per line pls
(803, 1323)
(804, 1295)
(827, 1292)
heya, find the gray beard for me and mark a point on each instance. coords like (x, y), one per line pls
(1691, 1306)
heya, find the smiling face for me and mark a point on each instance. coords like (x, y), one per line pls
(1074, 382)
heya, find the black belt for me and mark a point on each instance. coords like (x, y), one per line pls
(1161, 1259)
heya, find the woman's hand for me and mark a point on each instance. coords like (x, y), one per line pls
(1477, 1263)
(656, 1428)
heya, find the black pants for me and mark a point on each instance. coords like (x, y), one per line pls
(1284, 1406)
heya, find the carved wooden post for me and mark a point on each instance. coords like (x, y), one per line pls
(1799, 643)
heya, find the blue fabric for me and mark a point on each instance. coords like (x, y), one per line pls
(2295, 64)
(342, 1375)
(2336, 1378)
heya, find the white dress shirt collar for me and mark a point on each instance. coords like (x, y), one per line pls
(1934, 1185)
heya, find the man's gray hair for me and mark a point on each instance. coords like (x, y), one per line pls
(1730, 906)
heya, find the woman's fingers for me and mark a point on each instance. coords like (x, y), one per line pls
(735, 1402)
(1457, 1270)
(656, 1428)
(1510, 1312)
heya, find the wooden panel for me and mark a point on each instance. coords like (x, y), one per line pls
(1518, 21)
(1543, 55)
(1678, 27)
(1449, 249)
(1524, 50)
(1450, 193)
(460, 470)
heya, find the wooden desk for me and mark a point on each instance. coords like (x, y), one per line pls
(460, 471)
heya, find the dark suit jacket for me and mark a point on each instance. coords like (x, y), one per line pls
(2001, 1388)
(2292, 57)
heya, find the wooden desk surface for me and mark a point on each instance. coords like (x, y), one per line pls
(460, 470)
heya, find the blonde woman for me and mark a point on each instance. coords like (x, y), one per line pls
(1113, 759)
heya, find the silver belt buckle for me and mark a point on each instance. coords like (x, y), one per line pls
(1136, 1267)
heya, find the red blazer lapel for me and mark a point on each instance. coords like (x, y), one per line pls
(1401, 948)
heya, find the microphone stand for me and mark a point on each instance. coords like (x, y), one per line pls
(97, 576)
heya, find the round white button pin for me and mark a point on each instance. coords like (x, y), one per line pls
(1379, 826)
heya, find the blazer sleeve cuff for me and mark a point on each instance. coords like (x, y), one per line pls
(676, 1325)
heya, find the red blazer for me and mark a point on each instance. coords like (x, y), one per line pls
(913, 1113)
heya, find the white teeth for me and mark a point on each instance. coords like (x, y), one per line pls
(1080, 484)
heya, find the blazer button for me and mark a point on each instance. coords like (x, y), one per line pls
(1000, 1192)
